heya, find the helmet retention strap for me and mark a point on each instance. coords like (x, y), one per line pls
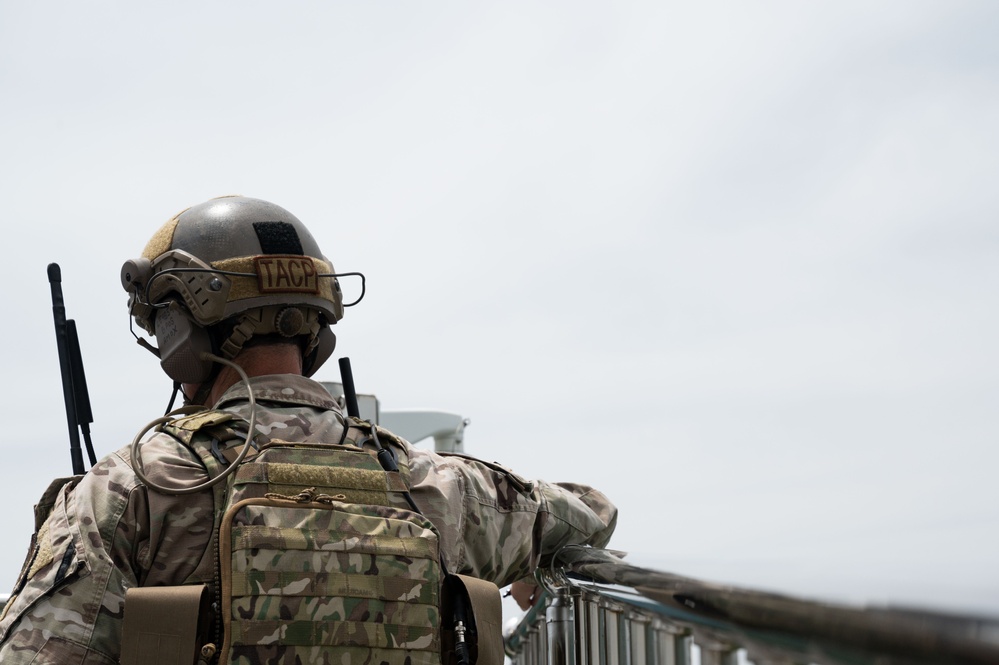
(240, 334)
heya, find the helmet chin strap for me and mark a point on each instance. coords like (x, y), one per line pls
(200, 397)
(177, 388)
(230, 348)
(240, 335)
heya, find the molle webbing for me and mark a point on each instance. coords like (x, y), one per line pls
(294, 538)
(322, 562)
(328, 633)
(350, 474)
(309, 655)
(291, 584)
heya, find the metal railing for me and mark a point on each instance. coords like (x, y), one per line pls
(598, 610)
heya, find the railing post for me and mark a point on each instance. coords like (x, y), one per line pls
(639, 630)
(587, 636)
(561, 626)
(718, 653)
(610, 650)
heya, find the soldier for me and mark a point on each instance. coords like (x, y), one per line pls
(241, 301)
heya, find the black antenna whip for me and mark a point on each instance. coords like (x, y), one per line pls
(349, 394)
(74, 381)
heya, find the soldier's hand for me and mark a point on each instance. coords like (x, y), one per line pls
(525, 593)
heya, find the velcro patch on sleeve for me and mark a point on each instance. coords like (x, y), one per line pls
(44, 554)
(198, 421)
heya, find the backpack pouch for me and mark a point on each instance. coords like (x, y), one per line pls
(323, 581)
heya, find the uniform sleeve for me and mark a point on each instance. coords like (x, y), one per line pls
(67, 604)
(102, 537)
(496, 526)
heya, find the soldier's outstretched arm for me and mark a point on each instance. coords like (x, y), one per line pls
(496, 525)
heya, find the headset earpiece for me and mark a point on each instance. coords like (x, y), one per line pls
(135, 273)
(181, 342)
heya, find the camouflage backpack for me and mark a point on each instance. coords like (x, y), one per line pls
(320, 561)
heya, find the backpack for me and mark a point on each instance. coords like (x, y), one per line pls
(319, 558)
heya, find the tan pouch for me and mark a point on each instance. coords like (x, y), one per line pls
(485, 634)
(165, 625)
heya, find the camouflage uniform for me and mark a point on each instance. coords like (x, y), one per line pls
(107, 533)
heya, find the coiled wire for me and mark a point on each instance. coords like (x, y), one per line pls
(157, 424)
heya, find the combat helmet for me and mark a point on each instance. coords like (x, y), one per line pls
(222, 272)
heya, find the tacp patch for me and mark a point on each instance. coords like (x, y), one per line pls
(286, 274)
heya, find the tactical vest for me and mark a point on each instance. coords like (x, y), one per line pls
(319, 560)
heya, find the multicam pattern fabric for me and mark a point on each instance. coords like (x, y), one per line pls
(107, 533)
(304, 569)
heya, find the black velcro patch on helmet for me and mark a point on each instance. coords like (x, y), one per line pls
(278, 238)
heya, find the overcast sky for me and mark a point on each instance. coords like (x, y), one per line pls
(734, 263)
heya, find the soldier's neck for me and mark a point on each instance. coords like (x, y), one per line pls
(259, 360)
